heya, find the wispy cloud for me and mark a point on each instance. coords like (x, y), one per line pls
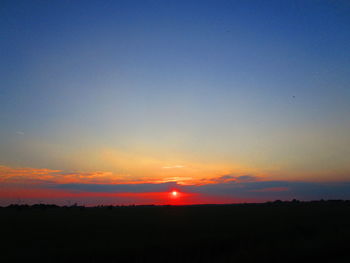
(118, 188)
(173, 167)
(18, 175)
(19, 132)
(228, 178)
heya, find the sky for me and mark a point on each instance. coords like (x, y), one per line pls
(122, 102)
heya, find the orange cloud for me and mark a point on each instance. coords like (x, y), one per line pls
(17, 174)
(191, 174)
(27, 175)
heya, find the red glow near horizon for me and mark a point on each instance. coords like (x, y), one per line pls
(63, 197)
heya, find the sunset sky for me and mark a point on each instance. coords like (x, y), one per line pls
(122, 102)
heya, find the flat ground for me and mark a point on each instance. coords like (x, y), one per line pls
(270, 232)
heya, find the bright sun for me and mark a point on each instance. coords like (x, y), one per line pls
(174, 193)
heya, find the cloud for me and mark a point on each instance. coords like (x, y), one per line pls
(230, 178)
(246, 178)
(271, 190)
(224, 179)
(229, 186)
(22, 175)
(19, 132)
(118, 188)
(173, 167)
(10, 174)
(260, 190)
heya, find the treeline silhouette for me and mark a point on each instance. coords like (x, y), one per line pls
(295, 231)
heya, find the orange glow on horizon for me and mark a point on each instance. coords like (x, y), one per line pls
(13, 195)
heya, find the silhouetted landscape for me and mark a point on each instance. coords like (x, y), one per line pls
(295, 231)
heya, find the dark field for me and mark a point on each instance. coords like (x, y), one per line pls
(270, 232)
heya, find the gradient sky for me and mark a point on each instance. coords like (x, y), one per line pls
(132, 99)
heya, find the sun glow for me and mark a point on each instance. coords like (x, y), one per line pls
(174, 193)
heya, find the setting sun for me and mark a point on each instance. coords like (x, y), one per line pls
(174, 193)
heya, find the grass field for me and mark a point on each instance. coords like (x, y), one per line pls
(270, 232)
